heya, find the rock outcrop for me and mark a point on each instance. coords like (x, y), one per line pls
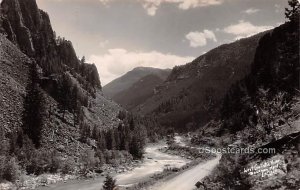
(28, 27)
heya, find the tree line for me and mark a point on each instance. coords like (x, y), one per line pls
(130, 135)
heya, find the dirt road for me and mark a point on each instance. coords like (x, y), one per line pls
(189, 178)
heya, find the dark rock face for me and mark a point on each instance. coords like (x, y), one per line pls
(6, 28)
(67, 54)
(31, 30)
(275, 69)
(274, 78)
(276, 64)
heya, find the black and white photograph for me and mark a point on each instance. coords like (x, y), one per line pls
(149, 95)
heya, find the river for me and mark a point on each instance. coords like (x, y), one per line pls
(154, 162)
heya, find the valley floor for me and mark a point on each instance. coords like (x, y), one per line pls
(154, 162)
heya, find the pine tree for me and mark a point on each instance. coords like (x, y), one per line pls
(75, 104)
(131, 123)
(34, 108)
(117, 138)
(290, 58)
(109, 183)
(136, 149)
(4, 146)
(82, 60)
(293, 13)
(110, 140)
(101, 143)
(85, 131)
(64, 95)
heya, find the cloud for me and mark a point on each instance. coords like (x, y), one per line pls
(104, 1)
(278, 8)
(199, 39)
(151, 6)
(103, 44)
(119, 61)
(251, 11)
(245, 29)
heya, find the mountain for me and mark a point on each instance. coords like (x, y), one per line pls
(192, 93)
(126, 81)
(29, 31)
(139, 92)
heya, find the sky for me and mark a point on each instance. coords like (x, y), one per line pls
(119, 35)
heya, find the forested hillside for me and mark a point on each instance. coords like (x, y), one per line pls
(139, 92)
(191, 95)
(262, 111)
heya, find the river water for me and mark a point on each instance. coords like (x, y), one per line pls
(154, 162)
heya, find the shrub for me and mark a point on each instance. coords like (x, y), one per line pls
(109, 183)
(11, 170)
(68, 166)
(42, 161)
(88, 159)
(2, 166)
(55, 164)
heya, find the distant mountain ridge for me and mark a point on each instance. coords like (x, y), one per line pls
(139, 92)
(123, 83)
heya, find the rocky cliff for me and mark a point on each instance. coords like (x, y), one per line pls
(27, 38)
